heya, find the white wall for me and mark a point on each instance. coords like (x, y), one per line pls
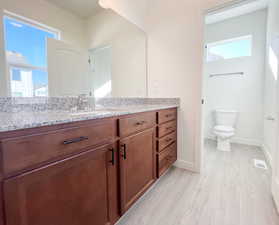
(271, 97)
(270, 93)
(241, 93)
(128, 51)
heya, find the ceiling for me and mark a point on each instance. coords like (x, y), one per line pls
(82, 8)
(236, 10)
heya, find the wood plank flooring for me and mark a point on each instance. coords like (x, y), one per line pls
(230, 191)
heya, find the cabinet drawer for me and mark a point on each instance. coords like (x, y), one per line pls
(25, 152)
(165, 141)
(166, 115)
(166, 158)
(136, 123)
(166, 128)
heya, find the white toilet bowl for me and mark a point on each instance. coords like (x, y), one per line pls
(224, 135)
(224, 128)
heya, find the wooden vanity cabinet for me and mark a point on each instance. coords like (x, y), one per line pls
(83, 173)
(73, 192)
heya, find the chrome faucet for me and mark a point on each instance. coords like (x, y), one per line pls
(85, 103)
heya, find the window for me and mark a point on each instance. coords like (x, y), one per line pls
(229, 49)
(26, 55)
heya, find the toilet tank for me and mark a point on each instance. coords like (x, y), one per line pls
(226, 117)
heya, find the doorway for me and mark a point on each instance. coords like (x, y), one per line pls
(239, 77)
(100, 71)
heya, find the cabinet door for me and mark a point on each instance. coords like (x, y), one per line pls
(70, 192)
(137, 167)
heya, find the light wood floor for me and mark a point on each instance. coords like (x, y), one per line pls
(231, 191)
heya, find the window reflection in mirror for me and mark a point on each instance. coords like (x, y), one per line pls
(26, 58)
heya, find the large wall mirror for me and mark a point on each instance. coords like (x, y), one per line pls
(69, 48)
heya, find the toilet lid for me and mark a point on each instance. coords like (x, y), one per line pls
(226, 129)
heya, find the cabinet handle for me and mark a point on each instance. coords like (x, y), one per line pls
(124, 155)
(112, 161)
(75, 140)
(140, 123)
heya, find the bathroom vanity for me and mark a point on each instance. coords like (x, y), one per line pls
(75, 160)
(84, 172)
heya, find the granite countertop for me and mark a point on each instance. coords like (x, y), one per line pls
(22, 120)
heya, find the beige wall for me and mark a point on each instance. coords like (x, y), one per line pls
(128, 52)
(135, 11)
(175, 66)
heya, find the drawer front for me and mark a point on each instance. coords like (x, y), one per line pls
(25, 152)
(136, 123)
(167, 115)
(166, 158)
(165, 141)
(166, 128)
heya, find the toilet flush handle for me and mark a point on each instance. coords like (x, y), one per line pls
(270, 118)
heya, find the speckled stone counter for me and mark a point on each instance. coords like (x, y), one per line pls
(39, 114)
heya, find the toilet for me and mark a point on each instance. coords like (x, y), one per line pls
(224, 128)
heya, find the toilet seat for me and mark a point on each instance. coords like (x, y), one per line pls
(224, 129)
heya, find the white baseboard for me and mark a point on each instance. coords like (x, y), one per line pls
(238, 140)
(182, 164)
(275, 192)
(246, 141)
(267, 155)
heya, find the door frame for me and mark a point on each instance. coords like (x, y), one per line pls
(91, 51)
(199, 136)
(275, 156)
